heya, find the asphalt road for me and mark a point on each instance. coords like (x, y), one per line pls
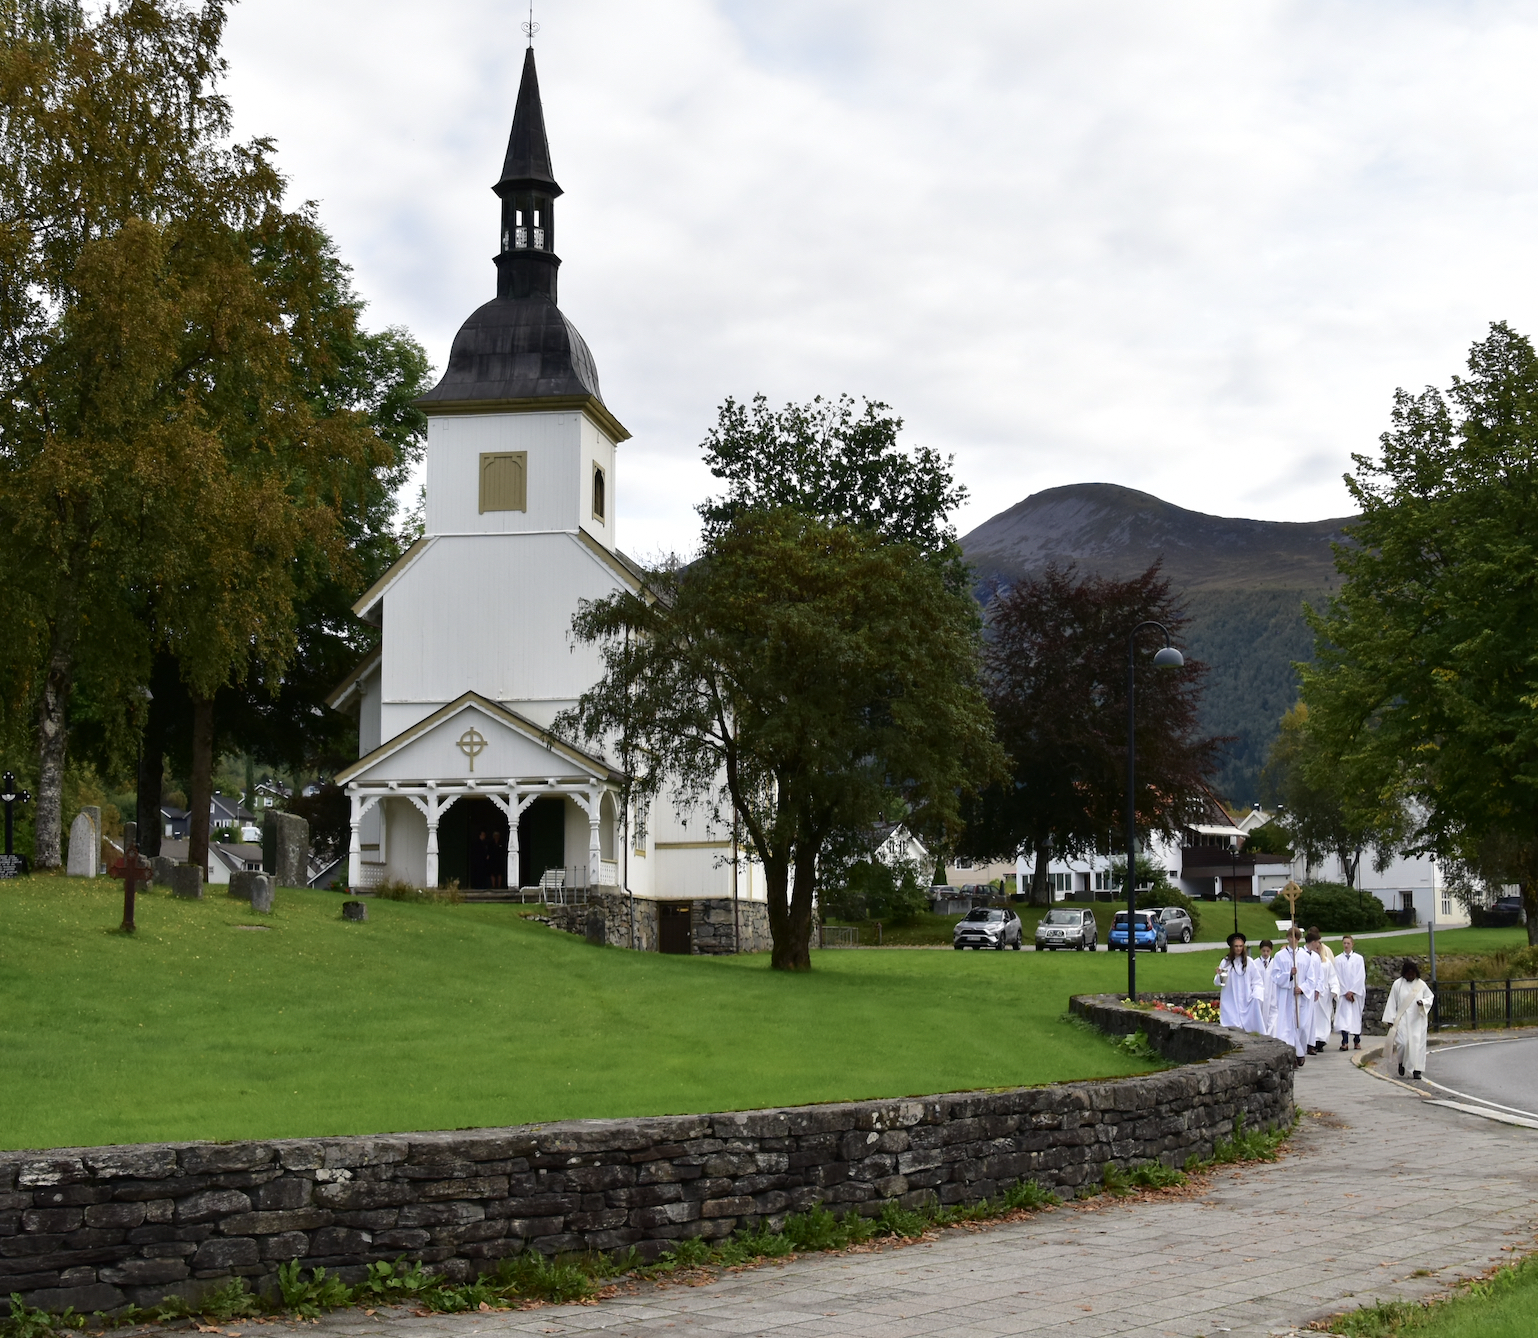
(1502, 1073)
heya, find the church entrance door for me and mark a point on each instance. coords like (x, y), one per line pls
(472, 845)
(541, 840)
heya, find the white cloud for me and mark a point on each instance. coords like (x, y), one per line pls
(1187, 247)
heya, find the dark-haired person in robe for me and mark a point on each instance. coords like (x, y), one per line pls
(1406, 1016)
(1239, 979)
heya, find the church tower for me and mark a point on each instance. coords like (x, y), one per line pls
(519, 437)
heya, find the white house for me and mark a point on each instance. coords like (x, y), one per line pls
(459, 777)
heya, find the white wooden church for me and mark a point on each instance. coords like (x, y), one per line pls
(458, 777)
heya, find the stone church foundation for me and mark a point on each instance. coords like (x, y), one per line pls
(715, 928)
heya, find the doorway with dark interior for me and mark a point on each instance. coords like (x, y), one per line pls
(541, 840)
(472, 845)
(675, 927)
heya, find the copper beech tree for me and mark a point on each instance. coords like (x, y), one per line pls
(1055, 674)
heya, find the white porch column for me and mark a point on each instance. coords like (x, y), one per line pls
(354, 848)
(512, 836)
(432, 834)
(594, 847)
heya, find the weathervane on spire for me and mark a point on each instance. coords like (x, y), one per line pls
(530, 28)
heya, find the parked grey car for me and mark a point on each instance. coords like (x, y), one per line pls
(1177, 924)
(1062, 927)
(988, 927)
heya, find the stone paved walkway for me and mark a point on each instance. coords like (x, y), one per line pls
(1382, 1195)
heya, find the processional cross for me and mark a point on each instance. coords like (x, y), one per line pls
(1291, 891)
(10, 796)
(133, 869)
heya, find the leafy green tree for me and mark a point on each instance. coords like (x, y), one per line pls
(1425, 683)
(178, 461)
(1055, 673)
(808, 677)
(1326, 810)
(836, 464)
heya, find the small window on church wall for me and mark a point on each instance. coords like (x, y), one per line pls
(598, 493)
(503, 486)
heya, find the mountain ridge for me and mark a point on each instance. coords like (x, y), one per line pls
(1244, 583)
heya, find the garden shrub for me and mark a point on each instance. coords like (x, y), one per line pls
(1335, 908)
(395, 890)
(872, 891)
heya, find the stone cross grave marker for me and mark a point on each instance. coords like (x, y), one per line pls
(85, 844)
(12, 865)
(133, 869)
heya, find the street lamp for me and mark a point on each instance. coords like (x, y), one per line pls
(1167, 658)
(1233, 877)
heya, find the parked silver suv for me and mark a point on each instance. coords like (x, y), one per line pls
(1064, 927)
(988, 927)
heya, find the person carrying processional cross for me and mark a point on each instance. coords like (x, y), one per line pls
(1294, 982)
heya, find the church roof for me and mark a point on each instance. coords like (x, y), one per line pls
(528, 150)
(516, 348)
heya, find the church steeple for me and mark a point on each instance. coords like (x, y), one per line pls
(527, 263)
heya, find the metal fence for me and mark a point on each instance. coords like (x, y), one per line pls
(837, 936)
(1468, 1005)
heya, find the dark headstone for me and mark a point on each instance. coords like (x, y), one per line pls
(354, 910)
(286, 849)
(163, 866)
(130, 834)
(187, 881)
(12, 866)
(596, 930)
(240, 884)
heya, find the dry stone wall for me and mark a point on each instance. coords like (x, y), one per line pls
(95, 1228)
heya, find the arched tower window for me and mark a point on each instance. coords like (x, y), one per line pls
(599, 499)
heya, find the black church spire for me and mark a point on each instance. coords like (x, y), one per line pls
(527, 262)
(519, 351)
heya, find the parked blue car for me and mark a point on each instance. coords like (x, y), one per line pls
(1150, 933)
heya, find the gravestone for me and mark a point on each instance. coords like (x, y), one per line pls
(85, 844)
(163, 866)
(262, 889)
(187, 881)
(240, 884)
(354, 910)
(595, 927)
(131, 836)
(286, 849)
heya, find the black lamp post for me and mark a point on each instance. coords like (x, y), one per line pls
(1233, 877)
(1167, 658)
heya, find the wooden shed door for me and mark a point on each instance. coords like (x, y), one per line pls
(674, 927)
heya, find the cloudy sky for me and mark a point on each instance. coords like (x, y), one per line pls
(1186, 247)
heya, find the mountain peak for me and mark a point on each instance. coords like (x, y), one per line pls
(1109, 530)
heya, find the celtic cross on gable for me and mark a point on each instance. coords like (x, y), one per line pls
(472, 743)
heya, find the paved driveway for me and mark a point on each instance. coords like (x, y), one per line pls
(1383, 1195)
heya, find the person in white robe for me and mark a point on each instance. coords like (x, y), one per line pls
(1407, 1015)
(1351, 976)
(1239, 979)
(1325, 989)
(1266, 993)
(1293, 978)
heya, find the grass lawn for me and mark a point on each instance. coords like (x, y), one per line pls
(437, 1016)
(1505, 1306)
